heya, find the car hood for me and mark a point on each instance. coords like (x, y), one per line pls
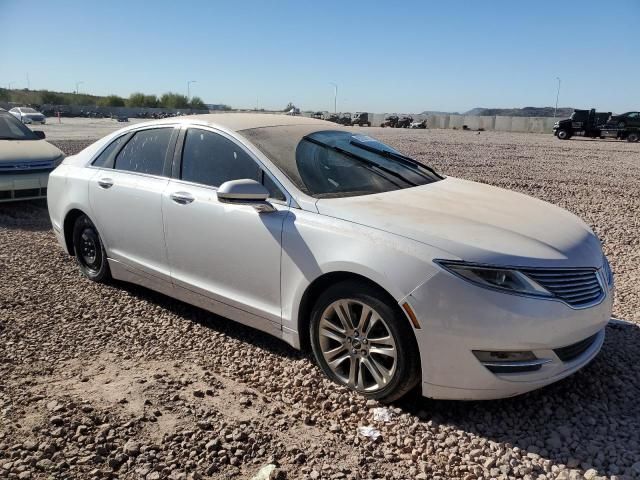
(476, 223)
(27, 150)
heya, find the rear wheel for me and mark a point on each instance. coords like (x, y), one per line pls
(563, 134)
(89, 251)
(363, 342)
(633, 137)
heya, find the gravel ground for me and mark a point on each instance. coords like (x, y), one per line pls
(120, 382)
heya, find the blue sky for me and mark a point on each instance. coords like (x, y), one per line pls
(384, 55)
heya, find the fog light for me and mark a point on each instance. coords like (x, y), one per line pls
(486, 356)
(510, 362)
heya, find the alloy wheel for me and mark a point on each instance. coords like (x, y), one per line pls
(357, 345)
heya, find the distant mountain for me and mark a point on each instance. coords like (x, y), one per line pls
(435, 112)
(521, 112)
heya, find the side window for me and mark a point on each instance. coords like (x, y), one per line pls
(211, 159)
(145, 152)
(104, 158)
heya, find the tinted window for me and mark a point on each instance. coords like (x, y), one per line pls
(102, 159)
(145, 152)
(339, 164)
(13, 129)
(211, 159)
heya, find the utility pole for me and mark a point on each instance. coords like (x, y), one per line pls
(335, 97)
(28, 82)
(78, 87)
(9, 85)
(555, 112)
(189, 88)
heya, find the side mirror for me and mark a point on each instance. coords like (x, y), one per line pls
(246, 192)
(39, 134)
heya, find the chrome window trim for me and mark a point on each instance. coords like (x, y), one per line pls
(245, 149)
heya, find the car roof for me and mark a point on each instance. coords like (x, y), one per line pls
(238, 122)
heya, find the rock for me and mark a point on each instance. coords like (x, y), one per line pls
(131, 448)
(265, 473)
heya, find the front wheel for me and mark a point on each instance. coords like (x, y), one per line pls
(563, 134)
(363, 342)
(633, 137)
(621, 124)
(89, 251)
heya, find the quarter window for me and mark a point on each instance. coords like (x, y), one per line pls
(103, 160)
(145, 152)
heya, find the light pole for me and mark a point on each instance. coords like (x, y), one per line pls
(557, 95)
(189, 88)
(335, 97)
(78, 87)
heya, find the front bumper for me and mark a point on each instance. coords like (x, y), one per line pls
(457, 317)
(27, 186)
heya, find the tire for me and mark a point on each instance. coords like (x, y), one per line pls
(633, 137)
(563, 134)
(621, 124)
(89, 251)
(336, 340)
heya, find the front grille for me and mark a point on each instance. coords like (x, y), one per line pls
(27, 192)
(568, 353)
(577, 287)
(26, 167)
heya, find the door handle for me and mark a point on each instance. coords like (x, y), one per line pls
(182, 198)
(105, 183)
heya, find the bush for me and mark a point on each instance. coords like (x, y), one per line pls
(173, 100)
(197, 103)
(141, 100)
(111, 101)
(51, 98)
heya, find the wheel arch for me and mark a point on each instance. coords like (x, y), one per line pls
(67, 228)
(319, 285)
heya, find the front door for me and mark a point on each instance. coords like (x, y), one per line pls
(229, 253)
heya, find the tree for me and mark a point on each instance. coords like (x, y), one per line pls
(51, 98)
(111, 101)
(197, 103)
(141, 100)
(173, 100)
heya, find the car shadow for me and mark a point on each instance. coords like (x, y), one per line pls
(589, 420)
(30, 215)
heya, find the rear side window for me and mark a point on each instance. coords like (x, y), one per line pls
(211, 159)
(103, 160)
(145, 152)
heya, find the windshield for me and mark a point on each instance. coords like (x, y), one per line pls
(341, 164)
(28, 110)
(12, 129)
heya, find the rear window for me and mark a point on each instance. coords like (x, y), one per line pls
(145, 152)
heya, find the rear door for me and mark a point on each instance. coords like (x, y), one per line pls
(126, 198)
(228, 253)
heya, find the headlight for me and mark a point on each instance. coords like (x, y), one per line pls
(608, 273)
(498, 278)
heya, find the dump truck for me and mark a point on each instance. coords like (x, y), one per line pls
(361, 119)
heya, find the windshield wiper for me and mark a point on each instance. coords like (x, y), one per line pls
(402, 159)
(364, 161)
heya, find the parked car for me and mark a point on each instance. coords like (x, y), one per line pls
(28, 115)
(392, 274)
(25, 160)
(419, 125)
(629, 119)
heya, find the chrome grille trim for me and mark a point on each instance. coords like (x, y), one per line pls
(579, 288)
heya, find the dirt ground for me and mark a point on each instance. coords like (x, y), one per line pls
(120, 382)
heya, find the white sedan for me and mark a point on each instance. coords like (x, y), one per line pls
(28, 115)
(393, 275)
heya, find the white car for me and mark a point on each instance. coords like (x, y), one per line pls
(26, 160)
(28, 115)
(394, 275)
